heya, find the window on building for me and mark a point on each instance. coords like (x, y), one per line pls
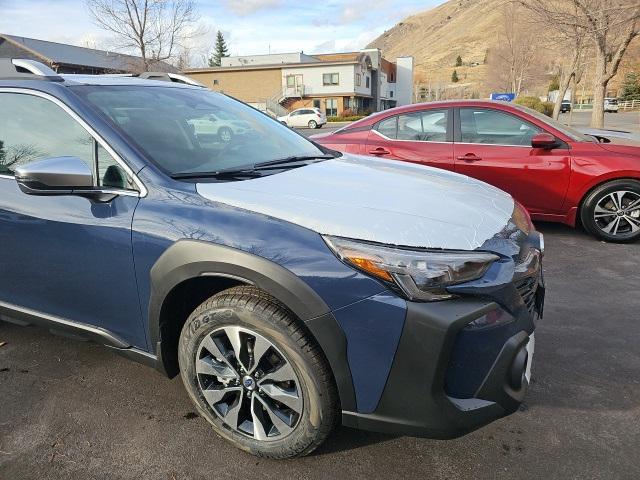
(390, 93)
(215, 81)
(331, 109)
(367, 84)
(330, 79)
(358, 79)
(316, 104)
(291, 81)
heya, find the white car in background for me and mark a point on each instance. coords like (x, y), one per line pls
(611, 105)
(218, 125)
(304, 117)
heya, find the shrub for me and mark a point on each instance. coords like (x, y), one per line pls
(347, 112)
(547, 108)
(352, 118)
(536, 104)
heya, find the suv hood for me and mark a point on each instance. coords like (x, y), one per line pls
(375, 200)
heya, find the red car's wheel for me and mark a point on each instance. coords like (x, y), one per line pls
(611, 212)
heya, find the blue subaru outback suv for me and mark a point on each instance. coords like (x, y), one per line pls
(292, 287)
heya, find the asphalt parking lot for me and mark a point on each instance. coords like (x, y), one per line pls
(70, 409)
(615, 121)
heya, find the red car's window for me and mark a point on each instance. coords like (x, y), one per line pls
(425, 126)
(485, 126)
(388, 127)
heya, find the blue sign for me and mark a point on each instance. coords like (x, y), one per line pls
(504, 97)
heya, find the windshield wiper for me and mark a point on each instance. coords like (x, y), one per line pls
(221, 174)
(254, 171)
(290, 161)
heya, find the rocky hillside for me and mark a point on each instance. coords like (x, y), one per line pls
(468, 28)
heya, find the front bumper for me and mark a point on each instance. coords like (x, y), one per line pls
(415, 401)
(447, 380)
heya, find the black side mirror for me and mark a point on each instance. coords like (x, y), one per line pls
(55, 176)
(544, 140)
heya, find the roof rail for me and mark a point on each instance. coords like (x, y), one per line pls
(170, 77)
(24, 69)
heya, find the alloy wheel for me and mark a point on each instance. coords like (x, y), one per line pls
(249, 383)
(618, 213)
(225, 135)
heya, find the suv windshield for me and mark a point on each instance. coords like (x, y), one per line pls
(193, 131)
(573, 134)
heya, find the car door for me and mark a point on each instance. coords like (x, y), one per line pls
(305, 116)
(495, 146)
(68, 257)
(423, 136)
(294, 118)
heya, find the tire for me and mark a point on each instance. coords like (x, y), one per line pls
(225, 134)
(611, 212)
(312, 124)
(253, 317)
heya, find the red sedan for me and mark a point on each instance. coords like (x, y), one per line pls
(559, 174)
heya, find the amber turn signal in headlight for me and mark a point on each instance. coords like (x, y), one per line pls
(419, 274)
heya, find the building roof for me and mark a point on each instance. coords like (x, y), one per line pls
(271, 66)
(60, 53)
(338, 57)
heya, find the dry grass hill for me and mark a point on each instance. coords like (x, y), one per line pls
(471, 29)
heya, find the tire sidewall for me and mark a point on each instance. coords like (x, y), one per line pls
(203, 323)
(312, 124)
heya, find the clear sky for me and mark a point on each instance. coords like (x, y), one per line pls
(249, 26)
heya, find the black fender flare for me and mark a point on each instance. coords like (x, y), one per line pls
(188, 259)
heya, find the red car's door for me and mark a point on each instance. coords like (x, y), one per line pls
(495, 146)
(424, 136)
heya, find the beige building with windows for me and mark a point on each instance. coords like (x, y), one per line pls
(336, 83)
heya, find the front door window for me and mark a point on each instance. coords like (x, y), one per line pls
(492, 127)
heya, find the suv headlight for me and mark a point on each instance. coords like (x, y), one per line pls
(419, 274)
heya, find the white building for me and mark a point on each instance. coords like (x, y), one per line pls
(337, 83)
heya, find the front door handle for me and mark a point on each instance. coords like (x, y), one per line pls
(379, 151)
(469, 157)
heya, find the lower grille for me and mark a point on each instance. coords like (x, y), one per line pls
(527, 290)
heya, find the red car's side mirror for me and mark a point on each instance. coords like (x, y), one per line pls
(544, 140)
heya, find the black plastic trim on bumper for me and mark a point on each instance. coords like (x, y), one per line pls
(414, 401)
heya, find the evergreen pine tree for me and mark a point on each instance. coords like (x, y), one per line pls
(459, 61)
(631, 87)
(219, 52)
(454, 77)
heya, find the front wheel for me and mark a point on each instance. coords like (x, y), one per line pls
(312, 124)
(256, 375)
(612, 211)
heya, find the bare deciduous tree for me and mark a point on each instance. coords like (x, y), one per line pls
(609, 25)
(570, 50)
(156, 29)
(513, 60)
